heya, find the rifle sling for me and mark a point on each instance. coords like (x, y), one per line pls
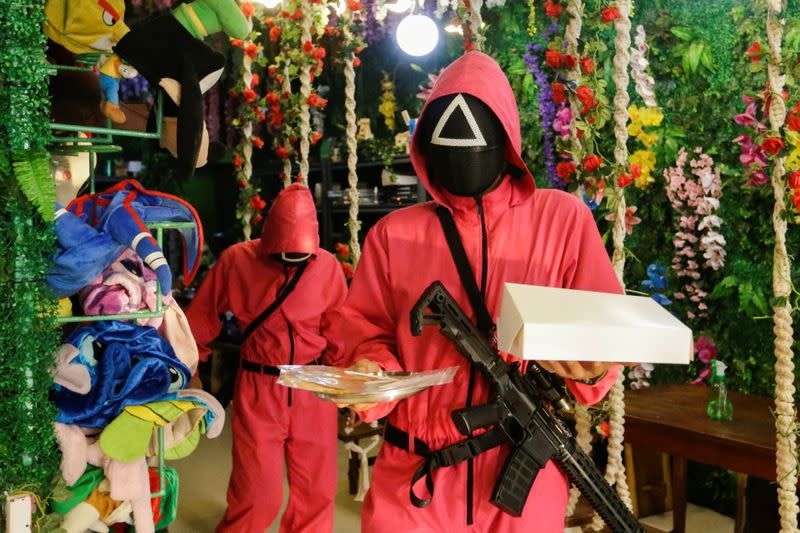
(450, 456)
(274, 305)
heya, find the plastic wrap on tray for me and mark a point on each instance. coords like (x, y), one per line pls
(345, 386)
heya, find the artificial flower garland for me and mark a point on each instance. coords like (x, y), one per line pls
(695, 200)
(249, 110)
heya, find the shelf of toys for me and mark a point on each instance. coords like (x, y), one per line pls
(123, 371)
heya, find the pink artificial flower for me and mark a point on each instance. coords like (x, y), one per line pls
(702, 376)
(748, 118)
(562, 122)
(705, 349)
(630, 218)
(757, 178)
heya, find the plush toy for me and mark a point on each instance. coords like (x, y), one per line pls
(125, 365)
(168, 50)
(91, 26)
(95, 229)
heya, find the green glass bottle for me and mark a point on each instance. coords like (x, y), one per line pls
(720, 406)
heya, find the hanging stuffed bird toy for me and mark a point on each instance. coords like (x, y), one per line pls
(168, 50)
(92, 26)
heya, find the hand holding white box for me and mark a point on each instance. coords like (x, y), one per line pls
(546, 323)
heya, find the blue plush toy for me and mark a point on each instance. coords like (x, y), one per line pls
(95, 229)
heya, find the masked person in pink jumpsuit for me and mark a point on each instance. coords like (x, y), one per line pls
(466, 150)
(272, 422)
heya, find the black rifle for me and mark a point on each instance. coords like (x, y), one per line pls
(521, 408)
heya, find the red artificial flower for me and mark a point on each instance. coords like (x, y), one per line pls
(242, 183)
(272, 98)
(559, 92)
(329, 30)
(636, 170)
(251, 50)
(282, 152)
(319, 53)
(624, 180)
(313, 99)
(293, 139)
(258, 142)
(796, 201)
(274, 33)
(358, 50)
(238, 43)
(551, 9)
(308, 47)
(586, 97)
(579, 133)
(279, 79)
(592, 162)
(353, 5)
(248, 9)
(315, 137)
(348, 270)
(604, 429)
(285, 14)
(565, 169)
(260, 115)
(277, 119)
(237, 162)
(568, 60)
(272, 70)
(268, 21)
(754, 52)
(610, 13)
(258, 218)
(255, 80)
(323, 102)
(249, 95)
(552, 58)
(342, 250)
(587, 65)
(257, 203)
(793, 121)
(794, 180)
(298, 14)
(356, 62)
(772, 145)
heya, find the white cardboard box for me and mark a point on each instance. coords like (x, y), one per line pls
(546, 323)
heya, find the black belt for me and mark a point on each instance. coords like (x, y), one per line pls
(270, 370)
(450, 456)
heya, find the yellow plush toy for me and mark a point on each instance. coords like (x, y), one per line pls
(91, 26)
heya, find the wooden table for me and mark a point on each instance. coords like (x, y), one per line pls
(672, 419)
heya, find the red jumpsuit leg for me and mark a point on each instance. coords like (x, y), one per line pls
(260, 428)
(311, 465)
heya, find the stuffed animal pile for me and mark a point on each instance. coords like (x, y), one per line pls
(117, 382)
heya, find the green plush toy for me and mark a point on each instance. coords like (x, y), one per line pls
(207, 17)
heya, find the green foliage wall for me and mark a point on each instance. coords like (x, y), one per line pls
(28, 338)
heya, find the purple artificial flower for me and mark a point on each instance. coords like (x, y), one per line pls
(547, 109)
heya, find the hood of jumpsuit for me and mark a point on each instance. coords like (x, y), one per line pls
(291, 224)
(478, 75)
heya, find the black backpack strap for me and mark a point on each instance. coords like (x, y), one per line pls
(484, 318)
(282, 294)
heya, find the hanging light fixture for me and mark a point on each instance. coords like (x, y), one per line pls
(269, 4)
(417, 35)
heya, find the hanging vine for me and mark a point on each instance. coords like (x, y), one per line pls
(785, 415)
(249, 110)
(293, 30)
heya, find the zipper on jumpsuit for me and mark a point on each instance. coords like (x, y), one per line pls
(471, 383)
(291, 331)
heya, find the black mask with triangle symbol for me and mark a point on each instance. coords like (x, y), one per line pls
(464, 144)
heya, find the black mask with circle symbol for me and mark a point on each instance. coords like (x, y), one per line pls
(464, 144)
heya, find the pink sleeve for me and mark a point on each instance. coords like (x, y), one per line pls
(206, 307)
(335, 295)
(591, 271)
(365, 326)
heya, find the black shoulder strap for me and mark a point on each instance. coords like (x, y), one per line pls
(484, 318)
(274, 305)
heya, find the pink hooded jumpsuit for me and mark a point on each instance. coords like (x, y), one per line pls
(512, 234)
(270, 421)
